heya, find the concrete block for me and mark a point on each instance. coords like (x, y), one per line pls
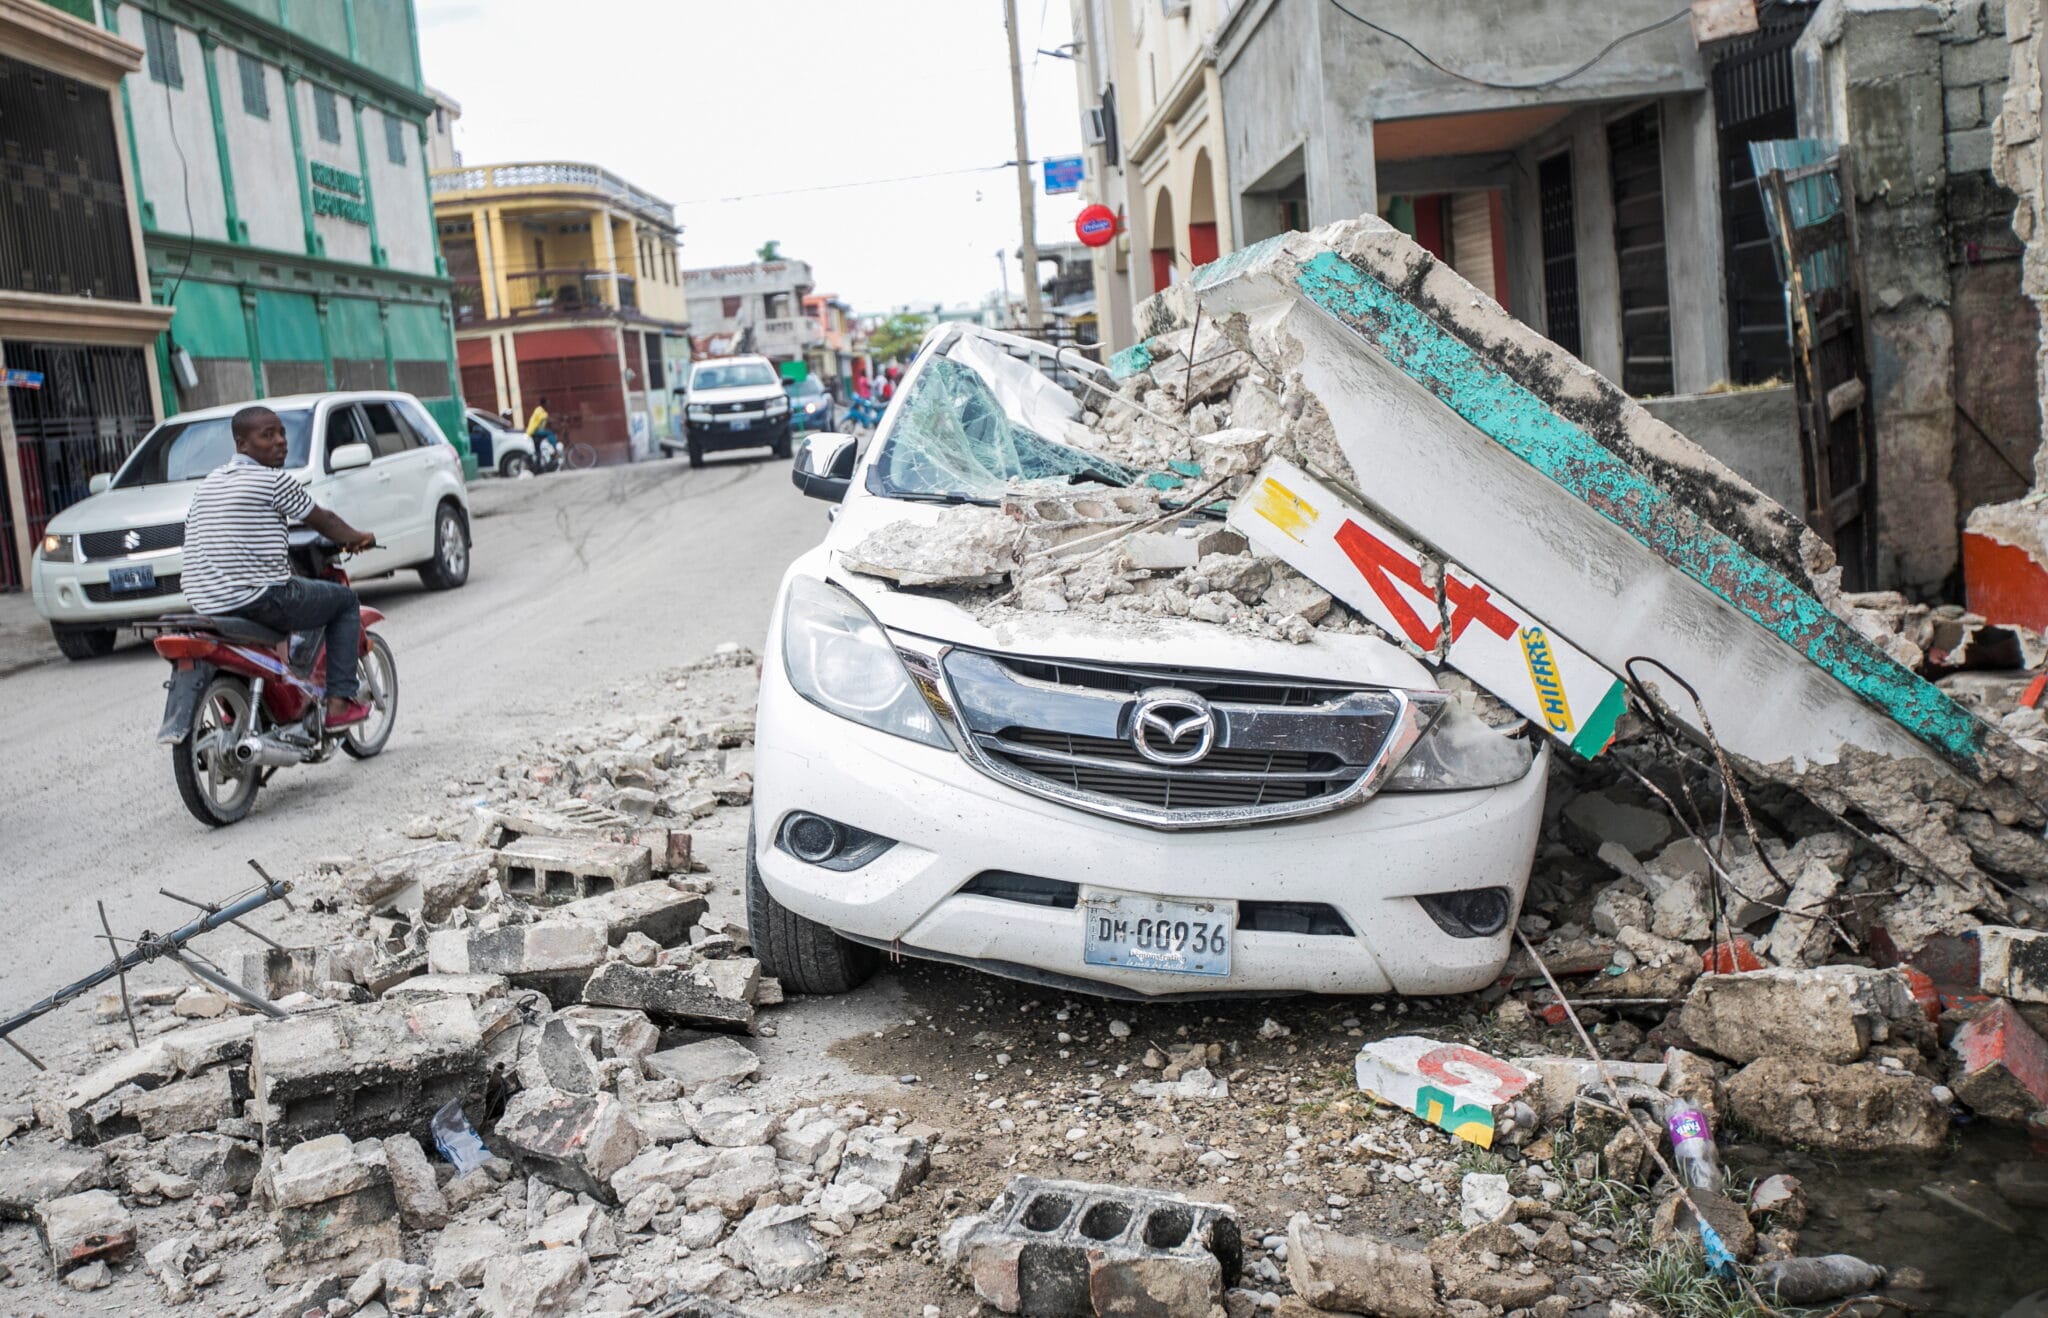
(1364, 1274)
(556, 1056)
(1853, 1109)
(1059, 1247)
(737, 978)
(280, 972)
(734, 1122)
(1830, 1013)
(216, 1163)
(654, 909)
(197, 1047)
(665, 992)
(1161, 551)
(672, 1167)
(2013, 963)
(1963, 107)
(575, 1141)
(612, 1031)
(421, 1205)
(670, 849)
(1979, 61)
(880, 1158)
(1969, 151)
(580, 1226)
(66, 1104)
(546, 1284)
(519, 951)
(2001, 1065)
(776, 1244)
(337, 1213)
(378, 1068)
(465, 1249)
(183, 1106)
(708, 1061)
(32, 1173)
(81, 1228)
(556, 870)
(574, 818)
(737, 1185)
(1449, 1085)
(478, 989)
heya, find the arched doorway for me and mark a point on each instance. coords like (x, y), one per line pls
(1162, 240)
(1202, 241)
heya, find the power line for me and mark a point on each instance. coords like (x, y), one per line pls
(1430, 60)
(861, 183)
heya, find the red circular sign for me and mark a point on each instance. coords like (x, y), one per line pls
(1095, 225)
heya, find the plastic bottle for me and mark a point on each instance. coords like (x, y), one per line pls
(457, 1139)
(1692, 1145)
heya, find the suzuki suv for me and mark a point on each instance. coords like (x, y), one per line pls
(1124, 808)
(376, 458)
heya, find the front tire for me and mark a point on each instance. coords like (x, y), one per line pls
(84, 642)
(215, 789)
(449, 567)
(513, 464)
(696, 453)
(805, 955)
(377, 678)
(781, 446)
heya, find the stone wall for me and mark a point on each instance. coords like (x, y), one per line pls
(2016, 160)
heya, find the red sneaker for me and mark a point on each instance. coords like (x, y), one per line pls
(355, 711)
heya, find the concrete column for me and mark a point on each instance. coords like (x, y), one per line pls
(486, 263)
(1599, 264)
(1343, 172)
(610, 253)
(505, 357)
(1694, 253)
(502, 260)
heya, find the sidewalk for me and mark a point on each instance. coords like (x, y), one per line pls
(24, 637)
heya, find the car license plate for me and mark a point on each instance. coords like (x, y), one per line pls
(139, 577)
(735, 425)
(1148, 933)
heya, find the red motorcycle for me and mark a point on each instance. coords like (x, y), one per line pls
(237, 712)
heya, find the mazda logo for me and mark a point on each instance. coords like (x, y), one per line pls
(132, 541)
(1173, 727)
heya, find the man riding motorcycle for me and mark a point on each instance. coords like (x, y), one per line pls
(236, 561)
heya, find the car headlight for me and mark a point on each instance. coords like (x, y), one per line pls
(1460, 753)
(813, 407)
(700, 413)
(60, 548)
(777, 406)
(840, 660)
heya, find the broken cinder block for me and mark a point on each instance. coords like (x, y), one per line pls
(1828, 1013)
(2002, 1070)
(575, 1141)
(81, 1228)
(546, 947)
(337, 1212)
(655, 909)
(376, 1068)
(665, 991)
(1059, 1247)
(554, 870)
(2013, 963)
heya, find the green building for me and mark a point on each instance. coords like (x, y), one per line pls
(280, 171)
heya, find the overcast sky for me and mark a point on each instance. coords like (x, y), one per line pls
(699, 101)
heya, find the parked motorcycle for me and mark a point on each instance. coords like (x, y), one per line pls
(237, 711)
(861, 414)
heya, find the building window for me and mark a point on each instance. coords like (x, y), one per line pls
(255, 95)
(729, 308)
(1636, 155)
(1557, 220)
(160, 47)
(394, 139)
(326, 115)
(655, 378)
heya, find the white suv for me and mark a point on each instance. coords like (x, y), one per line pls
(376, 458)
(942, 778)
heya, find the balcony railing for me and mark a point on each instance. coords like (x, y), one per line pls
(787, 334)
(554, 174)
(532, 293)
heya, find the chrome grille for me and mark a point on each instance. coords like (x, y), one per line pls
(148, 540)
(1281, 748)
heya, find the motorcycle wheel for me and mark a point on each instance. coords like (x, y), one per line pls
(377, 672)
(202, 759)
(848, 425)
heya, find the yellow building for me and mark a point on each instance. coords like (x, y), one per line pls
(568, 288)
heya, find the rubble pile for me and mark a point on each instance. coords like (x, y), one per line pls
(508, 1075)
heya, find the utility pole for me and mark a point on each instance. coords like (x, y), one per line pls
(1027, 197)
(1003, 269)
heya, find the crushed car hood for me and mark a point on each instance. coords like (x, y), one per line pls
(1165, 642)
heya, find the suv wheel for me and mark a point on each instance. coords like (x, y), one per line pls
(514, 463)
(84, 642)
(696, 453)
(781, 446)
(805, 955)
(449, 567)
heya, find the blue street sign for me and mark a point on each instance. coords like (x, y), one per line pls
(21, 379)
(1063, 174)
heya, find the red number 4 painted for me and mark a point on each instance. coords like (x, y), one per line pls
(1382, 566)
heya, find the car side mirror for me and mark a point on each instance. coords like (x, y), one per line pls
(825, 468)
(100, 484)
(349, 457)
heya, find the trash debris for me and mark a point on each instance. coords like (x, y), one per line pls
(1450, 1085)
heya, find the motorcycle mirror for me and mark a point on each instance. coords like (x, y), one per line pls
(349, 457)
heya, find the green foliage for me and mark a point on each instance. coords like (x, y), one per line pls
(769, 251)
(898, 336)
(1675, 1281)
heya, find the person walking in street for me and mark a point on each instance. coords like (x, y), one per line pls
(237, 563)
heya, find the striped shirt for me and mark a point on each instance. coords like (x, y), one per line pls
(235, 534)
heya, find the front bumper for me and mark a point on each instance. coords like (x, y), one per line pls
(747, 432)
(63, 592)
(951, 823)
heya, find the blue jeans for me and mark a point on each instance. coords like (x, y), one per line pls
(304, 604)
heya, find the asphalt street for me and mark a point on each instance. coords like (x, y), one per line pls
(581, 583)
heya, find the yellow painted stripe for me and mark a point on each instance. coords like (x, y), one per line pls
(1287, 511)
